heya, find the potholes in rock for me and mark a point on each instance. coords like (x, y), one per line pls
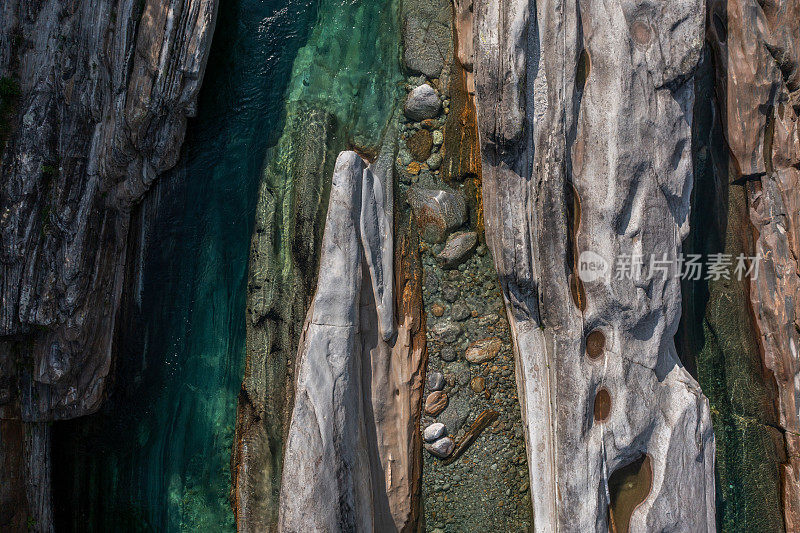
(602, 405)
(628, 487)
(595, 344)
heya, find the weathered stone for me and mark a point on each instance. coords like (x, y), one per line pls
(448, 353)
(435, 403)
(437, 212)
(450, 292)
(435, 381)
(104, 97)
(447, 332)
(427, 35)
(437, 310)
(434, 432)
(458, 248)
(483, 350)
(434, 161)
(420, 145)
(477, 384)
(460, 312)
(554, 141)
(442, 447)
(422, 103)
(437, 138)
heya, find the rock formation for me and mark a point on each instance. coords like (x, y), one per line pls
(352, 443)
(104, 94)
(741, 333)
(595, 156)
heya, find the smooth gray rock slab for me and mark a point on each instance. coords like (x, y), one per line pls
(422, 103)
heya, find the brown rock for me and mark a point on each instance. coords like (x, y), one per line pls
(420, 145)
(437, 310)
(435, 403)
(477, 384)
(413, 168)
(483, 350)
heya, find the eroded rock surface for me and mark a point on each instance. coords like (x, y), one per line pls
(100, 96)
(105, 92)
(595, 156)
(351, 460)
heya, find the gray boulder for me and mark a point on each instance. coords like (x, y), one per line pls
(422, 103)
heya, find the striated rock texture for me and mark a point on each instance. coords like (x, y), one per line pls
(352, 447)
(105, 90)
(584, 117)
(742, 333)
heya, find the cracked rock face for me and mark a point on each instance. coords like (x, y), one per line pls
(105, 91)
(756, 49)
(595, 156)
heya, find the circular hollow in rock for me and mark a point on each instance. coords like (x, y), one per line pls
(602, 405)
(641, 32)
(595, 344)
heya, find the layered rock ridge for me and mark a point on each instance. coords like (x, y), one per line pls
(95, 99)
(584, 117)
(741, 333)
(104, 98)
(342, 93)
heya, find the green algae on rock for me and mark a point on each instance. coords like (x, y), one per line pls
(342, 93)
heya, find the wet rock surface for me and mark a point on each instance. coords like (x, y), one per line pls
(480, 489)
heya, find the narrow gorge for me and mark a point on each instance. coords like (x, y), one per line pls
(399, 265)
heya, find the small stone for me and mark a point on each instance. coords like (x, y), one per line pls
(477, 384)
(448, 354)
(442, 447)
(437, 310)
(434, 161)
(435, 403)
(460, 312)
(413, 168)
(447, 332)
(434, 432)
(523, 487)
(435, 381)
(450, 292)
(422, 103)
(483, 350)
(438, 137)
(458, 248)
(404, 157)
(420, 145)
(429, 123)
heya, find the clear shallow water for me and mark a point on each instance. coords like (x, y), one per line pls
(157, 457)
